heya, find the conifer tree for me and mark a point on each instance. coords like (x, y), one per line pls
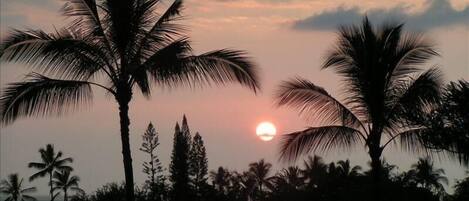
(179, 168)
(152, 168)
(198, 168)
(155, 182)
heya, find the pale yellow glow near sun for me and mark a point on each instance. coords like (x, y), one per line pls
(266, 131)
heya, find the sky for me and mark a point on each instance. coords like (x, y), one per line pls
(286, 38)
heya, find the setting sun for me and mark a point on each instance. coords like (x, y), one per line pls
(266, 131)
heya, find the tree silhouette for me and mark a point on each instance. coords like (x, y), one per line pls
(50, 163)
(14, 190)
(220, 179)
(378, 66)
(346, 170)
(289, 179)
(118, 46)
(152, 168)
(445, 127)
(179, 167)
(314, 170)
(261, 170)
(428, 177)
(198, 164)
(62, 181)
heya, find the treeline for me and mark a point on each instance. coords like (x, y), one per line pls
(188, 178)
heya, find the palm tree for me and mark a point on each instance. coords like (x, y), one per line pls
(50, 162)
(220, 179)
(345, 170)
(428, 177)
(260, 170)
(64, 182)
(378, 66)
(289, 178)
(314, 170)
(118, 46)
(13, 188)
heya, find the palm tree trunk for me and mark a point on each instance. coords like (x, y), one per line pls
(375, 153)
(124, 127)
(51, 191)
(65, 195)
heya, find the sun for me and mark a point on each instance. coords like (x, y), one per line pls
(266, 131)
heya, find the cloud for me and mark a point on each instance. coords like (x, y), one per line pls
(438, 14)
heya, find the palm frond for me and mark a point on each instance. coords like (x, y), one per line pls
(162, 33)
(62, 54)
(37, 165)
(86, 16)
(318, 139)
(39, 174)
(412, 140)
(316, 103)
(29, 190)
(413, 96)
(40, 95)
(174, 65)
(413, 51)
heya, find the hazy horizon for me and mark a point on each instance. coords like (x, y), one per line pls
(287, 38)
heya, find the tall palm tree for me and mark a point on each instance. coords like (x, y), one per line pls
(118, 46)
(50, 163)
(428, 176)
(379, 67)
(13, 188)
(62, 181)
(261, 170)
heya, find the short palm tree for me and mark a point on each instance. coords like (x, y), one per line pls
(261, 170)
(117, 46)
(220, 179)
(314, 171)
(345, 170)
(51, 161)
(382, 85)
(13, 189)
(428, 176)
(289, 178)
(62, 181)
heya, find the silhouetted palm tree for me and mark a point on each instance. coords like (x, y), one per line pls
(378, 66)
(345, 170)
(429, 177)
(62, 181)
(314, 170)
(220, 179)
(289, 179)
(260, 170)
(128, 45)
(50, 162)
(13, 189)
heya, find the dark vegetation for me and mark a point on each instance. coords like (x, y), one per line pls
(312, 179)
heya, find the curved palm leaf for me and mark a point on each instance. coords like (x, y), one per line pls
(315, 102)
(174, 65)
(63, 54)
(413, 95)
(317, 139)
(40, 95)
